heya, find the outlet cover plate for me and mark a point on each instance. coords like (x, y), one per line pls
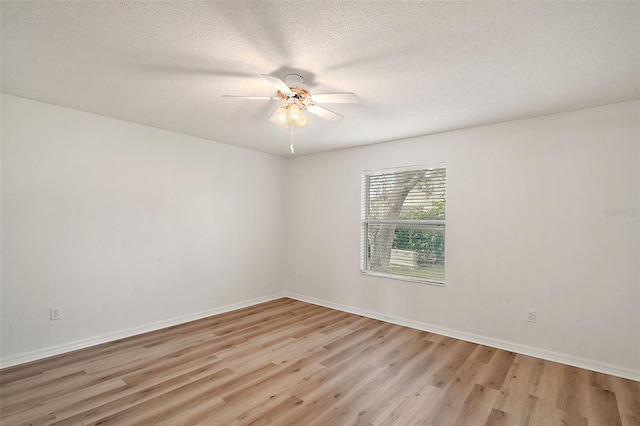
(531, 316)
(55, 313)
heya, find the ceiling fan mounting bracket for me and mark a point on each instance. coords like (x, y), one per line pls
(293, 79)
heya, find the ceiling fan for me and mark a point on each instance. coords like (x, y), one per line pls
(296, 98)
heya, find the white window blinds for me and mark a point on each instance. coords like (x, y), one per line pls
(403, 223)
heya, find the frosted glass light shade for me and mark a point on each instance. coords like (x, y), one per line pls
(294, 112)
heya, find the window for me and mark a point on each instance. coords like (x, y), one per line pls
(403, 222)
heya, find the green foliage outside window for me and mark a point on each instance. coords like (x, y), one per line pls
(428, 244)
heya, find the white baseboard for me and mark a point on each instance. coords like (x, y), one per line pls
(587, 364)
(37, 354)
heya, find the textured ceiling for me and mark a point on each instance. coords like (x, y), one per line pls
(417, 67)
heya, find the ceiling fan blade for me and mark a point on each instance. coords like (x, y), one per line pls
(335, 98)
(324, 113)
(259, 98)
(275, 114)
(279, 84)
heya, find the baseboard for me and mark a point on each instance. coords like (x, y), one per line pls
(587, 364)
(50, 351)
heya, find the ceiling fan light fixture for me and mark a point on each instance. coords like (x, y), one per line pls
(294, 112)
(301, 121)
(282, 116)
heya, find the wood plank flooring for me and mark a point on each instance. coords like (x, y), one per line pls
(289, 362)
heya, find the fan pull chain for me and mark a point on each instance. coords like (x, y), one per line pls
(291, 146)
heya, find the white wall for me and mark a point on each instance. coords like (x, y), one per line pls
(126, 226)
(526, 229)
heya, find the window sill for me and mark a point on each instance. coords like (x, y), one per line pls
(402, 278)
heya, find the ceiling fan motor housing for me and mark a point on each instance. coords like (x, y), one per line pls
(300, 90)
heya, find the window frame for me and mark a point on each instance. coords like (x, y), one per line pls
(418, 224)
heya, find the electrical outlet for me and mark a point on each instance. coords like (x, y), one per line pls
(55, 313)
(531, 316)
(300, 277)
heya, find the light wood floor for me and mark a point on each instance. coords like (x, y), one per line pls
(289, 362)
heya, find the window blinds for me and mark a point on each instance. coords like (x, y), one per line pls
(403, 223)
